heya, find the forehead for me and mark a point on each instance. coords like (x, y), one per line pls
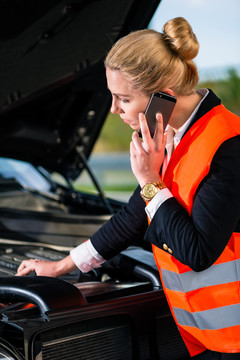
(118, 82)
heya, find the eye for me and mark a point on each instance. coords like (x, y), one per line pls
(124, 100)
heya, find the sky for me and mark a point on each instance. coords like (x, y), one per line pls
(216, 24)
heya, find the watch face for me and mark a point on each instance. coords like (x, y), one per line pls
(149, 191)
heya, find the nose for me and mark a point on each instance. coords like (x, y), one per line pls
(115, 108)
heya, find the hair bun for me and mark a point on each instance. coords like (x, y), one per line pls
(181, 39)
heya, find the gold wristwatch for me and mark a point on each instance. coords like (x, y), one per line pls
(149, 190)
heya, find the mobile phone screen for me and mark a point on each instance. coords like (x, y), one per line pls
(159, 103)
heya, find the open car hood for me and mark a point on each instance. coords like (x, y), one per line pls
(53, 94)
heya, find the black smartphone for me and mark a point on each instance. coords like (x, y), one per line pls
(159, 103)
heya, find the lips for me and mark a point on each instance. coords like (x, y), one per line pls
(126, 121)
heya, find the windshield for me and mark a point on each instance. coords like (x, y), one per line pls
(24, 173)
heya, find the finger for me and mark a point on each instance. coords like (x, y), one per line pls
(144, 128)
(158, 135)
(165, 135)
(25, 270)
(136, 144)
(26, 267)
(23, 264)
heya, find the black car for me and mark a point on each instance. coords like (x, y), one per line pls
(53, 103)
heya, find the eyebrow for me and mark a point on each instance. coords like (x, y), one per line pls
(122, 95)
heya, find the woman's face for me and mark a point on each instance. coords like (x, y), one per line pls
(126, 101)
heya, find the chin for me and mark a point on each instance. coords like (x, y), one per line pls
(134, 127)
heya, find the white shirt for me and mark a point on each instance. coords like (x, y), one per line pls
(85, 255)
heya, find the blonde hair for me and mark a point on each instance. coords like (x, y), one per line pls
(154, 61)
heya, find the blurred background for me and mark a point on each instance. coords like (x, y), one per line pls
(216, 24)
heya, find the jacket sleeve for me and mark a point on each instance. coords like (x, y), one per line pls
(125, 228)
(198, 240)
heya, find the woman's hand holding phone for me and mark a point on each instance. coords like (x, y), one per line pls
(147, 154)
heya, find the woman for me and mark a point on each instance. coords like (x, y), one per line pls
(194, 211)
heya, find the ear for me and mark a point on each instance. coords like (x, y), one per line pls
(169, 92)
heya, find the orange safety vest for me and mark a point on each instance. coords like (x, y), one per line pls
(205, 304)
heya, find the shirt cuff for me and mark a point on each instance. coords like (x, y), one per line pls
(86, 257)
(157, 201)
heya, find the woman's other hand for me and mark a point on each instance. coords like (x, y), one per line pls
(46, 268)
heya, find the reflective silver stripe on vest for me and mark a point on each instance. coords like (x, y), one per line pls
(213, 319)
(191, 280)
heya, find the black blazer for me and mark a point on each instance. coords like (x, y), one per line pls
(196, 241)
